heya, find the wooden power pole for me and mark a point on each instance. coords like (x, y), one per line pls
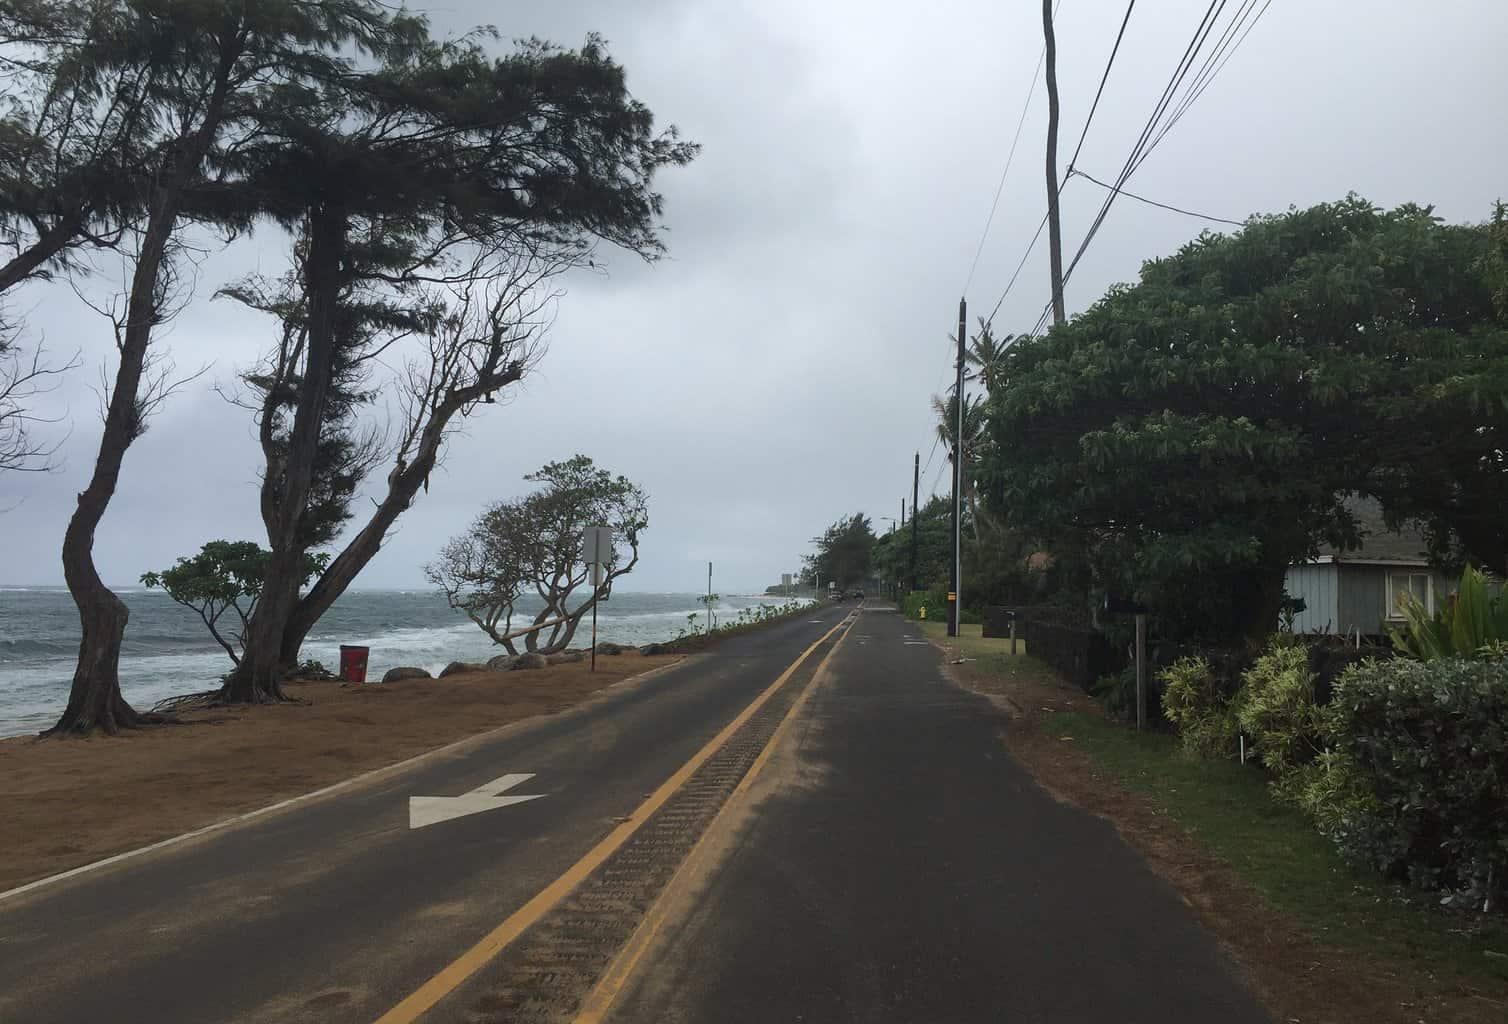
(955, 594)
(1054, 227)
(916, 487)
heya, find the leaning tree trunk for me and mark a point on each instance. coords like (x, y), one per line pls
(403, 486)
(258, 679)
(94, 700)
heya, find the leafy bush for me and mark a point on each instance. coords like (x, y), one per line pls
(1277, 708)
(1429, 740)
(934, 600)
(1195, 702)
(1472, 623)
(1334, 793)
(1117, 691)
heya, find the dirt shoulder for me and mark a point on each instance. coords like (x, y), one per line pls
(1300, 977)
(67, 802)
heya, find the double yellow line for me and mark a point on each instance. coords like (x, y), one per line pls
(450, 977)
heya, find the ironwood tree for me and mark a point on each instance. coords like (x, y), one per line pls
(71, 134)
(532, 547)
(1194, 434)
(479, 336)
(208, 73)
(449, 169)
(842, 552)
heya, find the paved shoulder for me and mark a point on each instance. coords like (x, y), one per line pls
(899, 866)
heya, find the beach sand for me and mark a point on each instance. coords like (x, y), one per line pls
(67, 802)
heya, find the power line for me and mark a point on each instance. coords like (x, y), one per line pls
(1151, 134)
(1077, 149)
(1100, 91)
(1153, 202)
(1142, 147)
(1017, 273)
(1198, 88)
(1010, 156)
(932, 491)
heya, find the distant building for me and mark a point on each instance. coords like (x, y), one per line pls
(1347, 591)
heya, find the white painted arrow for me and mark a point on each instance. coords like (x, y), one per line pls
(431, 810)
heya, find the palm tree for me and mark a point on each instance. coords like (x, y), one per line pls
(975, 439)
(988, 354)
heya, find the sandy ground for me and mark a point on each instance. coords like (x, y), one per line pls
(66, 802)
(1302, 981)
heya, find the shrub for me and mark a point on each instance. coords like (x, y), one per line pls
(1277, 707)
(1472, 623)
(1429, 740)
(1332, 792)
(1117, 692)
(935, 601)
(1194, 701)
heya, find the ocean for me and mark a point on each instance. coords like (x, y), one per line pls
(168, 651)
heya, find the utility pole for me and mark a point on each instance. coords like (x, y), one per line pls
(916, 483)
(955, 596)
(1054, 227)
(903, 513)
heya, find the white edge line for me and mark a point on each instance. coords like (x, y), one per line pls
(281, 804)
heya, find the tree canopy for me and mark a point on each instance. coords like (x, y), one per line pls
(532, 547)
(1195, 433)
(225, 576)
(842, 552)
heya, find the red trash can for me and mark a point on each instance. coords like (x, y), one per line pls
(353, 663)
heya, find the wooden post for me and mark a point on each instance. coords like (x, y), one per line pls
(1013, 635)
(1141, 671)
(955, 592)
(916, 482)
(1054, 228)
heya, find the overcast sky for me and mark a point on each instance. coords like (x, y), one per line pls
(773, 373)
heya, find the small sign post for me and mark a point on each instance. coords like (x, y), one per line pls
(1141, 671)
(597, 552)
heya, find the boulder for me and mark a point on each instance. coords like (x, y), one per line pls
(529, 661)
(608, 647)
(501, 663)
(461, 666)
(395, 675)
(565, 657)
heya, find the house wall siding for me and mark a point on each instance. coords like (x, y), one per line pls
(1316, 584)
(1363, 597)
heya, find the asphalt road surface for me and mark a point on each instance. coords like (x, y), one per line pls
(885, 861)
(900, 867)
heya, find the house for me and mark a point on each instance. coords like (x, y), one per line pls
(1347, 591)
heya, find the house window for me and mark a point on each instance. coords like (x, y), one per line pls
(1403, 585)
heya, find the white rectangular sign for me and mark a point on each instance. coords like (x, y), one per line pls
(597, 545)
(597, 551)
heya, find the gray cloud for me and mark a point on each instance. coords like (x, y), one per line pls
(773, 372)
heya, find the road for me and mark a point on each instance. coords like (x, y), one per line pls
(885, 861)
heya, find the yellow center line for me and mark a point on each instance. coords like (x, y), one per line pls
(450, 977)
(600, 1000)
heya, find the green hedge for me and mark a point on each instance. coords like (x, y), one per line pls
(1429, 742)
(936, 603)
